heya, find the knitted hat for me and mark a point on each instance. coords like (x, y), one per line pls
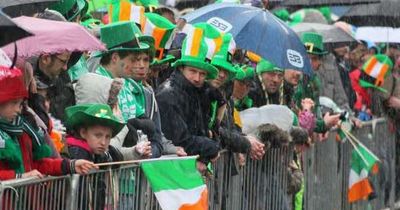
(266, 66)
(92, 114)
(223, 58)
(12, 84)
(194, 53)
(122, 33)
(70, 8)
(314, 43)
(244, 73)
(374, 72)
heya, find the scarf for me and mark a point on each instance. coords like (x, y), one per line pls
(15, 129)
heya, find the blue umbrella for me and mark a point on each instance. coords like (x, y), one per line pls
(256, 30)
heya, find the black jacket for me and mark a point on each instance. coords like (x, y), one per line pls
(183, 118)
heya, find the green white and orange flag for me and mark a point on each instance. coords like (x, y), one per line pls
(362, 162)
(120, 10)
(176, 183)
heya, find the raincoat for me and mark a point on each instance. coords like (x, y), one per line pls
(183, 118)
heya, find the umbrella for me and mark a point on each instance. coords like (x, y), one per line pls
(385, 13)
(256, 30)
(379, 34)
(52, 37)
(318, 3)
(16, 8)
(330, 33)
(10, 32)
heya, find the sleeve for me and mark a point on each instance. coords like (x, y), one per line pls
(5, 172)
(128, 153)
(175, 128)
(234, 140)
(167, 146)
(50, 166)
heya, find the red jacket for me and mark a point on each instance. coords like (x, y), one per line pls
(47, 166)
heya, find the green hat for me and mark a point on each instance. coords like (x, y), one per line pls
(116, 34)
(147, 3)
(194, 53)
(314, 43)
(91, 23)
(245, 73)
(266, 66)
(374, 72)
(70, 8)
(223, 58)
(281, 13)
(92, 114)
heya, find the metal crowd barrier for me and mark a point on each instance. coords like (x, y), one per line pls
(327, 167)
(259, 185)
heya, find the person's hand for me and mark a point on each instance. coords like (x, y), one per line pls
(84, 166)
(331, 120)
(201, 167)
(307, 104)
(213, 160)
(241, 159)
(394, 102)
(356, 122)
(144, 149)
(323, 136)
(33, 173)
(256, 149)
(180, 151)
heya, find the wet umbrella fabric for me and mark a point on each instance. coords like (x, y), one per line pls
(314, 3)
(10, 32)
(330, 33)
(378, 34)
(256, 30)
(15, 8)
(385, 13)
(52, 37)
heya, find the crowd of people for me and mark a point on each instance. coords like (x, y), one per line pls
(152, 95)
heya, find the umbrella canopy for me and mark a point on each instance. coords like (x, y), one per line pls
(379, 34)
(15, 8)
(256, 30)
(385, 13)
(315, 3)
(10, 32)
(330, 33)
(52, 37)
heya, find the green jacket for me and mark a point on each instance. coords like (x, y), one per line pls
(311, 89)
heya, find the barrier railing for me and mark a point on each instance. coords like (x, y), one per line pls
(258, 185)
(327, 167)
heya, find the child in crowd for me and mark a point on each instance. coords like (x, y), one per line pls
(23, 152)
(90, 128)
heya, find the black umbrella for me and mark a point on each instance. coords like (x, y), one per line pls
(331, 33)
(385, 13)
(10, 32)
(15, 8)
(315, 3)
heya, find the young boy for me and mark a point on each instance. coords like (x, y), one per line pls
(23, 152)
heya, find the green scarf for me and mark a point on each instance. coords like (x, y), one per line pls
(11, 150)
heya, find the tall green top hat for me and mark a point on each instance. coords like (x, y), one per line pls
(161, 29)
(266, 66)
(374, 72)
(70, 8)
(151, 4)
(223, 58)
(122, 36)
(244, 73)
(92, 114)
(314, 43)
(195, 51)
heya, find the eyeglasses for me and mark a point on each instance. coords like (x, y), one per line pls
(63, 61)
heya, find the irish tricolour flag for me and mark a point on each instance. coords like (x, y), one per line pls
(176, 183)
(362, 162)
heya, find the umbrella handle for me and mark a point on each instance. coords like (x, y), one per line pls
(14, 61)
